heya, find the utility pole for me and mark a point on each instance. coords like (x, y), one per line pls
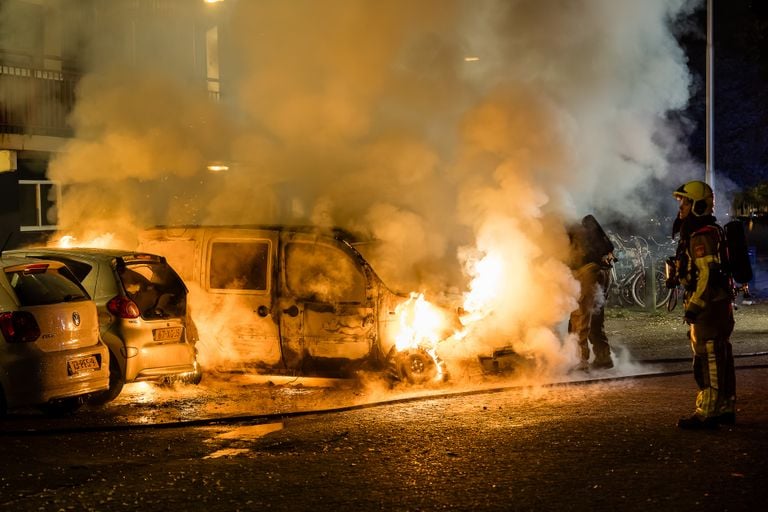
(710, 93)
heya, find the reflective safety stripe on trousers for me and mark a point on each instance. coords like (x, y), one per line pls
(706, 402)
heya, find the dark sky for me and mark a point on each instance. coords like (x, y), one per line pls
(741, 96)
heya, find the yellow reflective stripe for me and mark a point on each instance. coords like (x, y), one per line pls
(712, 364)
(703, 279)
(706, 399)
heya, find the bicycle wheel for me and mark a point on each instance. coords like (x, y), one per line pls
(625, 294)
(639, 289)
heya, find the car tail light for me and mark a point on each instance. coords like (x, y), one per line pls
(19, 326)
(123, 307)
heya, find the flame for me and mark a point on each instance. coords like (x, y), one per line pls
(66, 241)
(105, 241)
(484, 289)
(422, 324)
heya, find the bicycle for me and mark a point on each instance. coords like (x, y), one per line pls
(628, 283)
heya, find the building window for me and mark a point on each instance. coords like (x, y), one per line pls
(212, 62)
(37, 205)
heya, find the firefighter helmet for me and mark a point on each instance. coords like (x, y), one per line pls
(700, 194)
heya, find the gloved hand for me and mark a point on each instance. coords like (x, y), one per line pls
(690, 316)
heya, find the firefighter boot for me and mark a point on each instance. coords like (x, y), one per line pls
(603, 359)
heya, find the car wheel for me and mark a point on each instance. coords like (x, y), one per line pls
(116, 383)
(62, 407)
(416, 366)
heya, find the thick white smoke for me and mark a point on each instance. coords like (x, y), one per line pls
(450, 130)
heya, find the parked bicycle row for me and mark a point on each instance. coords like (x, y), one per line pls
(635, 258)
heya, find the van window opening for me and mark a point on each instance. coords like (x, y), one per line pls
(321, 273)
(239, 266)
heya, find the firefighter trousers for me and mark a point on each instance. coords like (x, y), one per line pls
(713, 366)
(588, 321)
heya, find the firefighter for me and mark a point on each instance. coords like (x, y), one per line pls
(707, 306)
(591, 254)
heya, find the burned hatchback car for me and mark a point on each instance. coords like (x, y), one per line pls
(143, 314)
(294, 300)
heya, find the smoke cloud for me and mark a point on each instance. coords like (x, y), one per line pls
(452, 132)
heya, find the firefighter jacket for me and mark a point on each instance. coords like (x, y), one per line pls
(701, 271)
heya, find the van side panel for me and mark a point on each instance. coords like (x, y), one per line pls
(388, 324)
(238, 279)
(280, 298)
(230, 276)
(327, 305)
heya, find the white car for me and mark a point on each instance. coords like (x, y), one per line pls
(51, 355)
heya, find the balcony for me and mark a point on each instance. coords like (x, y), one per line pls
(36, 101)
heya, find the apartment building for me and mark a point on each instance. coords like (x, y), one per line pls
(46, 47)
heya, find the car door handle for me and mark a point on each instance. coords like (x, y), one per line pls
(292, 311)
(262, 311)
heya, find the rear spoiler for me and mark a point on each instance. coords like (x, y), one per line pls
(122, 261)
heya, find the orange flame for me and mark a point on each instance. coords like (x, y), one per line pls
(484, 289)
(104, 241)
(422, 324)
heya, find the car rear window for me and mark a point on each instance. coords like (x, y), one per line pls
(156, 289)
(49, 287)
(78, 268)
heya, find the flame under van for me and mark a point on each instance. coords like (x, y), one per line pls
(296, 300)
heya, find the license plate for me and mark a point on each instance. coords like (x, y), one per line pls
(82, 365)
(167, 334)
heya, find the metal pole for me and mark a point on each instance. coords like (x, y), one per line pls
(710, 173)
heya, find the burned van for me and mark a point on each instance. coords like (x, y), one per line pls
(295, 300)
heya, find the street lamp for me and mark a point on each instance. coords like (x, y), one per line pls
(710, 172)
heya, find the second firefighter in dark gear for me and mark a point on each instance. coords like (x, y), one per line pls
(591, 253)
(708, 306)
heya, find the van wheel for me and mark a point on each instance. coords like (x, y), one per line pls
(116, 382)
(62, 407)
(416, 366)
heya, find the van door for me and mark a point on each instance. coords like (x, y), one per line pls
(327, 315)
(239, 277)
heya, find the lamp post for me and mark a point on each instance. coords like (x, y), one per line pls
(710, 93)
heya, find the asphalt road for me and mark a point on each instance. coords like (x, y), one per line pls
(605, 445)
